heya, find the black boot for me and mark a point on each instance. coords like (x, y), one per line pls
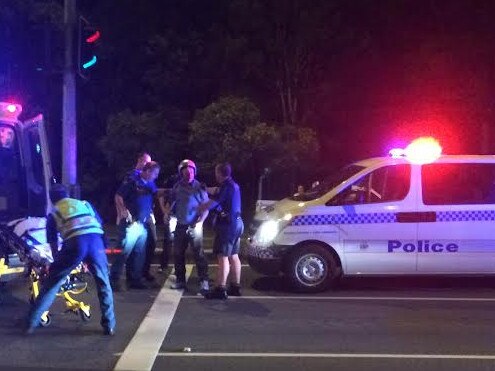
(219, 292)
(234, 290)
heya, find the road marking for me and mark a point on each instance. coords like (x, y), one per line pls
(331, 355)
(351, 298)
(209, 265)
(141, 352)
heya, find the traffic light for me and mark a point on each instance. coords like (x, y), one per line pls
(88, 42)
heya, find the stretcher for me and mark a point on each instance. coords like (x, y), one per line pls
(23, 251)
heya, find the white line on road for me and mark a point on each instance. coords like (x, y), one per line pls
(209, 265)
(141, 352)
(331, 355)
(351, 298)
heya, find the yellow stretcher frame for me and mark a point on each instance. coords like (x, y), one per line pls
(72, 305)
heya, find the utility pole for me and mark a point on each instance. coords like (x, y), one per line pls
(69, 128)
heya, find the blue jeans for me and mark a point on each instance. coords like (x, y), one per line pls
(90, 249)
(133, 241)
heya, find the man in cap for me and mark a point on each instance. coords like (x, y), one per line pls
(83, 240)
(185, 198)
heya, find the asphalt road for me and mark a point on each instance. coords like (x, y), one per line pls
(367, 324)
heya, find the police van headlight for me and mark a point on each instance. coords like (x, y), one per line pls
(270, 229)
(267, 232)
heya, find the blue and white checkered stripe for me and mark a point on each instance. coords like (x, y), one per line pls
(465, 215)
(370, 218)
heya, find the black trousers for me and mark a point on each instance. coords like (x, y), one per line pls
(167, 246)
(182, 240)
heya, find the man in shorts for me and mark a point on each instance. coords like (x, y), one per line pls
(228, 230)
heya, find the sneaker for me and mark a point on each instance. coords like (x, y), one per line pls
(109, 331)
(217, 293)
(204, 287)
(234, 290)
(179, 285)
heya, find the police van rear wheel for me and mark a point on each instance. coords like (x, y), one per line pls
(311, 268)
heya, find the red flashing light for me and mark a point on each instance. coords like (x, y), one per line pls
(423, 150)
(9, 111)
(95, 36)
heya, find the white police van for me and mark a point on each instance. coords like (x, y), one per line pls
(415, 212)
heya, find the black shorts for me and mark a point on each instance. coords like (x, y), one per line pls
(228, 239)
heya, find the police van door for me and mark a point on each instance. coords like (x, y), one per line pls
(461, 197)
(36, 164)
(375, 238)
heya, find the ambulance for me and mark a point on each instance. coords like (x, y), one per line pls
(415, 212)
(25, 176)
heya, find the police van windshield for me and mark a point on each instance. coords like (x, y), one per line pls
(323, 187)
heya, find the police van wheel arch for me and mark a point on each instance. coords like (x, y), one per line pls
(311, 267)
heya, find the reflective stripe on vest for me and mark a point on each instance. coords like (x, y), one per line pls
(75, 217)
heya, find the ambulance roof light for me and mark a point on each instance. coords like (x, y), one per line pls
(423, 150)
(10, 111)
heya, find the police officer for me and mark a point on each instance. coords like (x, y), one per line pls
(137, 203)
(150, 225)
(185, 197)
(83, 240)
(228, 230)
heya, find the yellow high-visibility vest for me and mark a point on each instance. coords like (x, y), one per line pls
(75, 217)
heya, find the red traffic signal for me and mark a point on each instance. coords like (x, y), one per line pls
(88, 40)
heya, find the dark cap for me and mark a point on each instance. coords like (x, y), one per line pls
(58, 192)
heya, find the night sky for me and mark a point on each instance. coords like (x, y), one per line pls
(382, 72)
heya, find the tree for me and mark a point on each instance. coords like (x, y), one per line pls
(129, 133)
(287, 45)
(230, 130)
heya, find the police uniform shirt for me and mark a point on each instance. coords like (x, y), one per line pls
(229, 201)
(186, 197)
(132, 175)
(138, 197)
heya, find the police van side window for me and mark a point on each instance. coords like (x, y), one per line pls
(386, 184)
(458, 184)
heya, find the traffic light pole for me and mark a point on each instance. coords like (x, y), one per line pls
(69, 128)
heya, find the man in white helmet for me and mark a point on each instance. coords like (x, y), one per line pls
(185, 198)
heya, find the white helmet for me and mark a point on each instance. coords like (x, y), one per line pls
(187, 163)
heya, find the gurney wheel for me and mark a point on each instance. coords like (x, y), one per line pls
(85, 316)
(47, 322)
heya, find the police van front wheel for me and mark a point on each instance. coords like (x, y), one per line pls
(311, 268)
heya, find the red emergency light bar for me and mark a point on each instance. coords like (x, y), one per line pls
(9, 111)
(422, 150)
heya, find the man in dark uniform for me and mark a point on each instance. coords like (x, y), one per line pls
(185, 198)
(80, 227)
(136, 208)
(228, 230)
(151, 239)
